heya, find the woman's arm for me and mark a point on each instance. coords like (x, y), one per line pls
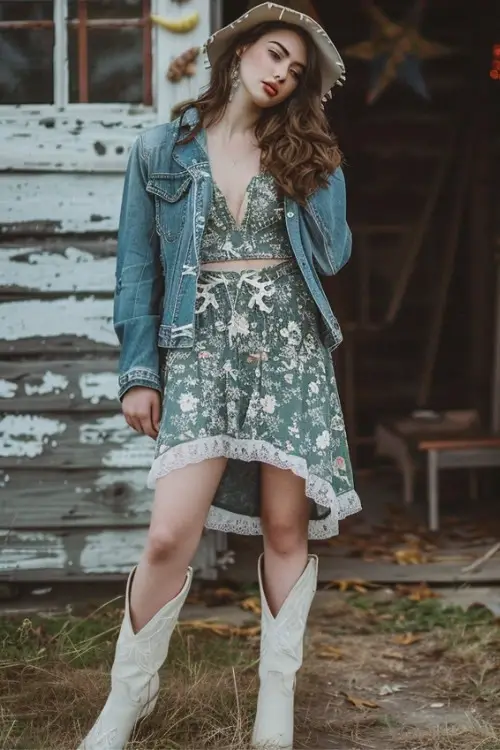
(331, 233)
(139, 280)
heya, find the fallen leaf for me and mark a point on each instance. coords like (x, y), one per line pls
(252, 604)
(410, 556)
(329, 652)
(361, 702)
(251, 632)
(356, 584)
(408, 639)
(219, 628)
(418, 593)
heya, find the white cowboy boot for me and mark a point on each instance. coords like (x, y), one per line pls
(281, 651)
(134, 675)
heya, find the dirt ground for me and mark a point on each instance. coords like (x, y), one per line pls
(385, 669)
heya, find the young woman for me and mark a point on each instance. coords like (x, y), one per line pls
(229, 214)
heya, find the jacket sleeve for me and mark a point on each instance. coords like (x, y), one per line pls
(331, 232)
(139, 281)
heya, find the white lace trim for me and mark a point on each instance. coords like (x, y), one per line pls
(317, 489)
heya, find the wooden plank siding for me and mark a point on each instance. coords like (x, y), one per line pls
(76, 554)
(73, 496)
(48, 203)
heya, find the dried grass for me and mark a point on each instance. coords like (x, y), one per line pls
(54, 678)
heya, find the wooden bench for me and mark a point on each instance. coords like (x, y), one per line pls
(437, 440)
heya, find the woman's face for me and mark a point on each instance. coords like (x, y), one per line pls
(271, 68)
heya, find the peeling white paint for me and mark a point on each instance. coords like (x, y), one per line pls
(34, 152)
(30, 550)
(106, 430)
(8, 389)
(88, 318)
(4, 479)
(112, 551)
(72, 270)
(24, 435)
(104, 552)
(99, 386)
(50, 383)
(82, 203)
(135, 479)
(137, 454)
(72, 142)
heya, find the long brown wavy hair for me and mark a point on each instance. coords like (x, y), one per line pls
(297, 147)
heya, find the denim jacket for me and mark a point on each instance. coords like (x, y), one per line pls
(165, 205)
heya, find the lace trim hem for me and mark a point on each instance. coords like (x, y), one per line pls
(317, 489)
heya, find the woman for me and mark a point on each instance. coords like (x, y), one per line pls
(228, 215)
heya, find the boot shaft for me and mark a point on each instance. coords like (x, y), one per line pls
(282, 637)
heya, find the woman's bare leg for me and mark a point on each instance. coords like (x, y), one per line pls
(285, 518)
(181, 503)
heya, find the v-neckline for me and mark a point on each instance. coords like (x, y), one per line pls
(238, 226)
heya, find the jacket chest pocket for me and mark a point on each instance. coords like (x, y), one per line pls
(170, 191)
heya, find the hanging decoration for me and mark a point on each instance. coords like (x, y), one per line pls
(181, 25)
(396, 51)
(183, 65)
(495, 63)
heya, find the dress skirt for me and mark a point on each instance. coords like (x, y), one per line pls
(258, 386)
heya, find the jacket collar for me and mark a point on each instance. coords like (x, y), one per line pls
(193, 154)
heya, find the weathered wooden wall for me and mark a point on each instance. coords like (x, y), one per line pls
(72, 473)
(73, 497)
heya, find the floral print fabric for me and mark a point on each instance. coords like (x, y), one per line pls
(257, 386)
(261, 232)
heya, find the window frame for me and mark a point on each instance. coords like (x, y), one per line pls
(127, 112)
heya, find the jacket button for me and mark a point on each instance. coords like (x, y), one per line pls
(290, 214)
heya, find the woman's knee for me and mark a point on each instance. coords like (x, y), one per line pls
(165, 544)
(284, 534)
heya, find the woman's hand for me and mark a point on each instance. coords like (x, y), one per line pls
(142, 410)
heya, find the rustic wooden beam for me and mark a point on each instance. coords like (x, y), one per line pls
(83, 61)
(459, 188)
(415, 244)
(481, 257)
(495, 380)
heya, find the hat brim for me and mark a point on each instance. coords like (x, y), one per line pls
(331, 64)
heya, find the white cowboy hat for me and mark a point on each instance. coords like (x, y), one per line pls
(331, 64)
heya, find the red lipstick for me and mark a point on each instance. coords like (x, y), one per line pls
(270, 88)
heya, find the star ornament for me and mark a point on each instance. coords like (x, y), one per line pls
(396, 51)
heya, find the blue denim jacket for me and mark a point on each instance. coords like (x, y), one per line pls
(166, 201)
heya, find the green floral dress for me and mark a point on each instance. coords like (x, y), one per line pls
(258, 386)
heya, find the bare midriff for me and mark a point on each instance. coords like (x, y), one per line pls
(240, 265)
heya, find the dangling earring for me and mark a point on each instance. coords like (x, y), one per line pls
(235, 79)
